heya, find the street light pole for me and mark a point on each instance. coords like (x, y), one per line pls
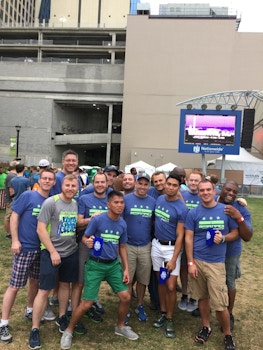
(18, 127)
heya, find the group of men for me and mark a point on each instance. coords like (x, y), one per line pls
(139, 232)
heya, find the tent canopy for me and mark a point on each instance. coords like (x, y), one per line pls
(140, 166)
(166, 168)
(242, 161)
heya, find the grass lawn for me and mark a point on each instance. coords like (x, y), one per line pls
(248, 310)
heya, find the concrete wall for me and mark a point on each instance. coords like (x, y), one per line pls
(169, 60)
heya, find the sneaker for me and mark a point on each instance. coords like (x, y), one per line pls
(229, 344)
(196, 312)
(28, 317)
(127, 318)
(66, 340)
(169, 331)
(49, 314)
(142, 316)
(93, 315)
(53, 301)
(182, 305)
(126, 332)
(99, 307)
(80, 329)
(232, 322)
(8, 236)
(34, 339)
(191, 305)
(160, 321)
(62, 322)
(203, 335)
(5, 336)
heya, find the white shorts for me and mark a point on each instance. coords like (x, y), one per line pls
(163, 253)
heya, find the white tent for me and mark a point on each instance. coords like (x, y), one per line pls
(252, 167)
(166, 168)
(140, 166)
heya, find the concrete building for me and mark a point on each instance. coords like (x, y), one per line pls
(66, 85)
(177, 59)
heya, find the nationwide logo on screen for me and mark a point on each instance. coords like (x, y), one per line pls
(196, 149)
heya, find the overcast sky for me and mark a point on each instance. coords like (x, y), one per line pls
(251, 10)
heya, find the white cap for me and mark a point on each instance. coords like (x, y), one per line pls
(43, 163)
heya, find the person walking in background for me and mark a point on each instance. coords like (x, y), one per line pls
(3, 176)
(9, 195)
(19, 183)
(26, 250)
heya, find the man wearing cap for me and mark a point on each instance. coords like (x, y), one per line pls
(43, 164)
(111, 172)
(138, 214)
(170, 215)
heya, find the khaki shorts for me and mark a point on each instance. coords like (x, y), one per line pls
(8, 211)
(210, 283)
(140, 262)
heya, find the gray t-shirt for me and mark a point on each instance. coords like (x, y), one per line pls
(61, 220)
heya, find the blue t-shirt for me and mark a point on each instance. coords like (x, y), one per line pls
(198, 220)
(191, 200)
(27, 206)
(90, 204)
(167, 215)
(113, 232)
(20, 184)
(138, 214)
(153, 192)
(235, 247)
(57, 188)
(90, 189)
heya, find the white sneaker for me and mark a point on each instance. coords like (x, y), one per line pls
(126, 332)
(66, 340)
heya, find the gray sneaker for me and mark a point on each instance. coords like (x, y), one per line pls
(5, 336)
(126, 332)
(49, 314)
(182, 305)
(191, 305)
(66, 340)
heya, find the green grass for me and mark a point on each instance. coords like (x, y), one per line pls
(248, 310)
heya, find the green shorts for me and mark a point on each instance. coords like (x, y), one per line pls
(96, 272)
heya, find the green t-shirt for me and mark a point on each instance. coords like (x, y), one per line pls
(2, 180)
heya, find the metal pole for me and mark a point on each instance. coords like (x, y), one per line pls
(18, 127)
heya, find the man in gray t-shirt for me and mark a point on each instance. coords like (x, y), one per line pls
(59, 253)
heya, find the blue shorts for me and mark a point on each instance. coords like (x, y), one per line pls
(25, 265)
(67, 270)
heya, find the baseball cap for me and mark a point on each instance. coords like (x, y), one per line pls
(143, 176)
(43, 163)
(109, 168)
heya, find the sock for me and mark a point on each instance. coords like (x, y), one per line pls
(29, 310)
(184, 296)
(3, 323)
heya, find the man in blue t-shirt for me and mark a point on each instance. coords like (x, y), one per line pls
(242, 216)
(19, 183)
(208, 228)
(26, 249)
(138, 214)
(89, 206)
(170, 215)
(110, 232)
